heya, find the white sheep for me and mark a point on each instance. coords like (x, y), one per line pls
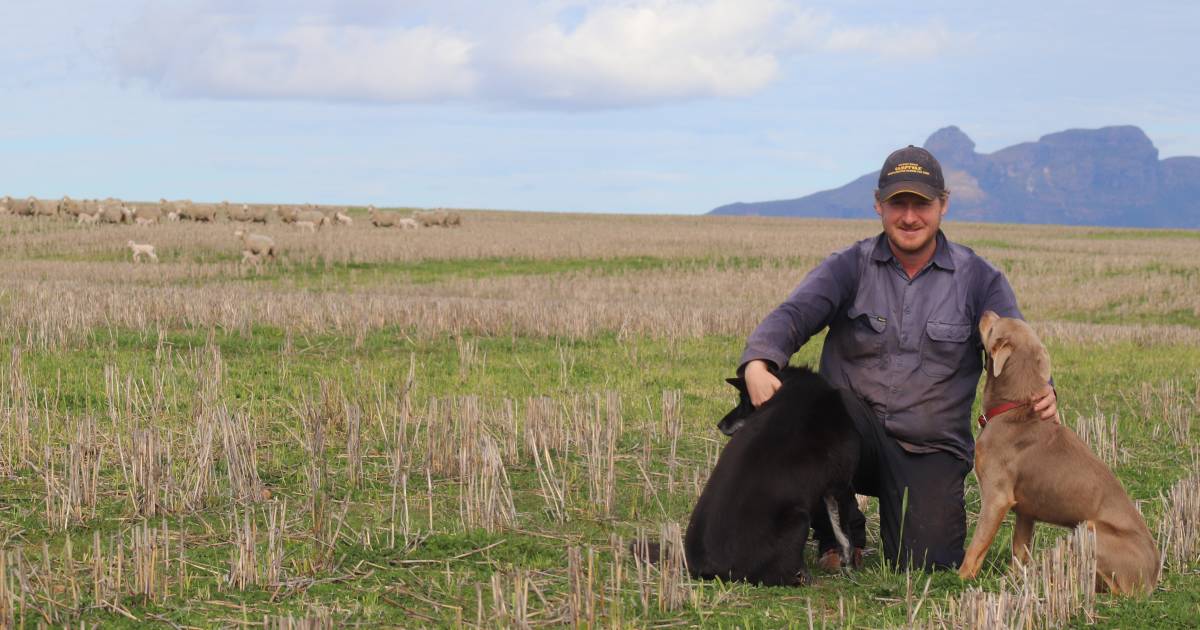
(343, 219)
(172, 216)
(257, 245)
(84, 217)
(407, 223)
(142, 249)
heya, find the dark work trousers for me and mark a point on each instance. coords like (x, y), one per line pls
(922, 517)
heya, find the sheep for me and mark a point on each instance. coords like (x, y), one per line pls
(172, 216)
(315, 217)
(256, 244)
(407, 223)
(45, 208)
(343, 219)
(380, 218)
(257, 214)
(68, 206)
(431, 218)
(142, 249)
(26, 208)
(203, 212)
(6, 205)
(306, 225)
(287, 214)
(111, 214)
(147, 215)
(453, 219)
(86, 218)
(241, 215)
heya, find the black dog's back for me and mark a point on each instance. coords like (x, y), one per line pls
(752, 520)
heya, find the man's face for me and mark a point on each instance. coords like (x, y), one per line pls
(911, 221)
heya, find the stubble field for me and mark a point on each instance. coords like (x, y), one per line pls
(466, 427)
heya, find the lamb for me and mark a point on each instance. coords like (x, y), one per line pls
(86, 218)
(407, 223)
(142, 249)
(256, 244)
(306, 225)
(343, 218)
(172, 216)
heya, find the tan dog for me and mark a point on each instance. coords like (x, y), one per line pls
(1042, 471)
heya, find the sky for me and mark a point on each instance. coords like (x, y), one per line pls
(625, 106)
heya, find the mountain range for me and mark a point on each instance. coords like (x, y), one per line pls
(1109, 176)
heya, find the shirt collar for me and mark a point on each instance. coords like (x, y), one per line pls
(941, 255)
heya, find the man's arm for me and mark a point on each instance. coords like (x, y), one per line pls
(809, 308)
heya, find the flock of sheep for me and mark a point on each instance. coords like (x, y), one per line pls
(256, 247)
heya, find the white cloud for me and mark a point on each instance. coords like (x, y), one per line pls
(630, 53)
(541, 53)
(236, 56)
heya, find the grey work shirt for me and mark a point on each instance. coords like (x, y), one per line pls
(909, 347)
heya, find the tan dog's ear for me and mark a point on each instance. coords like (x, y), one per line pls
(985, 324)
(1000, 354)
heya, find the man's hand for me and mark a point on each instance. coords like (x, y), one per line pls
(1045, 403)
(760, 382)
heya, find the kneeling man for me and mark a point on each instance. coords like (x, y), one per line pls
(903, 348)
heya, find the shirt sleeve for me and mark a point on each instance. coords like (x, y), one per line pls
(809, 309)
(999, 296)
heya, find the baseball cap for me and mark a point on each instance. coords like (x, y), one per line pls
(912, 170)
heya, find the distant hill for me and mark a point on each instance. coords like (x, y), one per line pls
(1109, 176)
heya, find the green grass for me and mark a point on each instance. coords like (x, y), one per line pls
(376, 585)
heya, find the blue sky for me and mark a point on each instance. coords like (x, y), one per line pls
(662, 106)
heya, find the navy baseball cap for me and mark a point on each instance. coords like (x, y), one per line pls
(911, 170)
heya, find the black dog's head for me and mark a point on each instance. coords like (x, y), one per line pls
(737, 416)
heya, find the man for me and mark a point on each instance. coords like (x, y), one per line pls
(904, 348)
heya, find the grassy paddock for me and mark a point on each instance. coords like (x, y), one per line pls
(465, 427)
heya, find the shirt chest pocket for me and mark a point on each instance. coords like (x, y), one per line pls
(864, 344)
(944, 347)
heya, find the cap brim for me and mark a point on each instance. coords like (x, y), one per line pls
(916, 188)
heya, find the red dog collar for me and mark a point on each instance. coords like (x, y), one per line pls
(987, 416)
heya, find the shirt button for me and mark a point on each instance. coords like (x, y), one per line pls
(907, 309)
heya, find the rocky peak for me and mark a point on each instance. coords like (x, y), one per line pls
(951, 147)
(1125, 140)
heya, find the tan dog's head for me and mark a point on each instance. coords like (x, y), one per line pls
(1014, 352)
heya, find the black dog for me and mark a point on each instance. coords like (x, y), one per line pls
(786, 460)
